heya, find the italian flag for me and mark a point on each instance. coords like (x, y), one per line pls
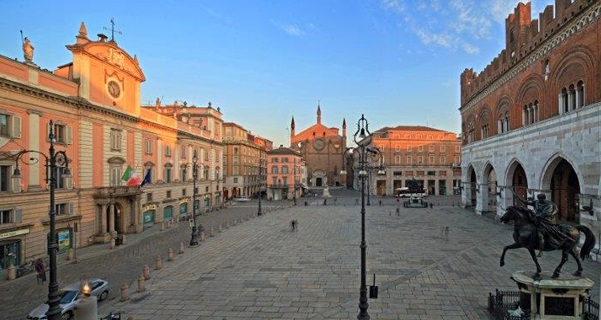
(131, 177)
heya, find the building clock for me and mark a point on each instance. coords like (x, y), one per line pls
(318, 144)
(114, 89)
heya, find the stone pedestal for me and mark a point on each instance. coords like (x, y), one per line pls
(548, 298)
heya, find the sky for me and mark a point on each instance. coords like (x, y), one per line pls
(397, 62)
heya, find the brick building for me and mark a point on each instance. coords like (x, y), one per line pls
(94, 103)
(531, 119)
(429, 156)
(245, 161)
(284, 174)
(322, 148)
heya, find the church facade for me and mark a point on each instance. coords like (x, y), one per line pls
(323, 149)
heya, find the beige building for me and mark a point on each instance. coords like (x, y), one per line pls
(245, 161)
(94, 103)
(284, 174)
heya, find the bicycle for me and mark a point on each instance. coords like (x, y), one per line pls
(25, 269)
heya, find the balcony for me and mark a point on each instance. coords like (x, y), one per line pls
(119, 191)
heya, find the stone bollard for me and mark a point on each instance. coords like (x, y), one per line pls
(234, 223)
(70, 254)
(181, 248)
(11, 273)
(163, 226)
(169, 255)
(227, 225)
(123, 239)
(124, 292)
(219, 229)
(211, 231)
(141, 284)
(202, 236)
(146, 272)
(112, 246)
(159, 263)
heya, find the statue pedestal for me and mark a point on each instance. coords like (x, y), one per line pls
(548, 298)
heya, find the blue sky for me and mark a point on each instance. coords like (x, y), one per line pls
(262, 62)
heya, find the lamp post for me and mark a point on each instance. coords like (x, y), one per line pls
(259, 212)
(362, 139)
(194, 237)
(52, 162)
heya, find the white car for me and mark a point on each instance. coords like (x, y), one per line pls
(69, 296)
(242, 199)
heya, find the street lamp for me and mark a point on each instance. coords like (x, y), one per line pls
(53, 160)
(194, 237)
(259, 212)
(363, 138)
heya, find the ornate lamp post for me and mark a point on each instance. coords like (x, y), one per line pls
(363, 138)
(194, 237)
(259, 212)
(54, 160)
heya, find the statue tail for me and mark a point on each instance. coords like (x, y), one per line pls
(589, 241)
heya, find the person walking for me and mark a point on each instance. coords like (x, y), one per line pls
(40, 268)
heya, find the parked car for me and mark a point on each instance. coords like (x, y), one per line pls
(69, 296)
(241, 199)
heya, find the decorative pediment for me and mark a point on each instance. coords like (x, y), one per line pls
(110, 53)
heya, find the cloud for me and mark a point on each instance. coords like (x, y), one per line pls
(293, 29)
(394, 5)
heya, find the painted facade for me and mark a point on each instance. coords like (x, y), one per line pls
(284, 174)
(427, 155)
(531, 120)
(322, 148)
(94, 102)
(245, 160)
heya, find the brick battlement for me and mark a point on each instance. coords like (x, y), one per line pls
(522, 36)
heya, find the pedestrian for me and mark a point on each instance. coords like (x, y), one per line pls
(431, 205)
(41, 270)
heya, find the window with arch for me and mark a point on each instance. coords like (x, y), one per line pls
(580, 94)
(503, 122)
(167, 173)
(274, 170)
(530, 113)
(572, 97)
(470, 132)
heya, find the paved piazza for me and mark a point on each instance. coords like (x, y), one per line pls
(258, 269)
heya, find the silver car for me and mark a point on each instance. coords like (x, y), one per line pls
(69, 296)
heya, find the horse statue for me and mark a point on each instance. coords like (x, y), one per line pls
(525, 236)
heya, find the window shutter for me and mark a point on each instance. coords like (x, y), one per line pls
(16, 127)
(17, 216)
(68, 134)
(70, 208)
(68, 182)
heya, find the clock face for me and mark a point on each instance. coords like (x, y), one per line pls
(114, 89)
(318, 144)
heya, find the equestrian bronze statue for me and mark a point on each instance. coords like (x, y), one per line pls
(537, 230)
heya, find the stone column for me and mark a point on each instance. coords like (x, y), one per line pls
(482, 199)
(559, 104)
(103, 226)
(111, 218)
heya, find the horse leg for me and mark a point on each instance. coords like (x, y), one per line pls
(574, 254)
(509, 247)
(538, 268)
(564, 258)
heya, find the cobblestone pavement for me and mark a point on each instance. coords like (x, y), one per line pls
(122, 264)
(260, 270)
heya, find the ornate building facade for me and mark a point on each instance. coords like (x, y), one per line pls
(94, 103)
(531, 121)
(428, 156)
(245, 161)
(322, 148)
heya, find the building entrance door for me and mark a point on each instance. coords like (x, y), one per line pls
(318, 182)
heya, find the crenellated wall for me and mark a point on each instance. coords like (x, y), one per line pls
(522, 36)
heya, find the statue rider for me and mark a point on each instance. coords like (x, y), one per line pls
(543, 218)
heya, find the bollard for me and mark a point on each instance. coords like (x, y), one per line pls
(234, 223)
(202, 235)
(169, 255)
(86, 308)
(124, 292)
(11, 273)
(163, 226)
(70, 254)
(227, 225)
(305, 203)
(181, 248)
(146, 272)
(112, 246)
(159, 263)
(141, 284)
(211, 232)
(123, 239)
(219, 229)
